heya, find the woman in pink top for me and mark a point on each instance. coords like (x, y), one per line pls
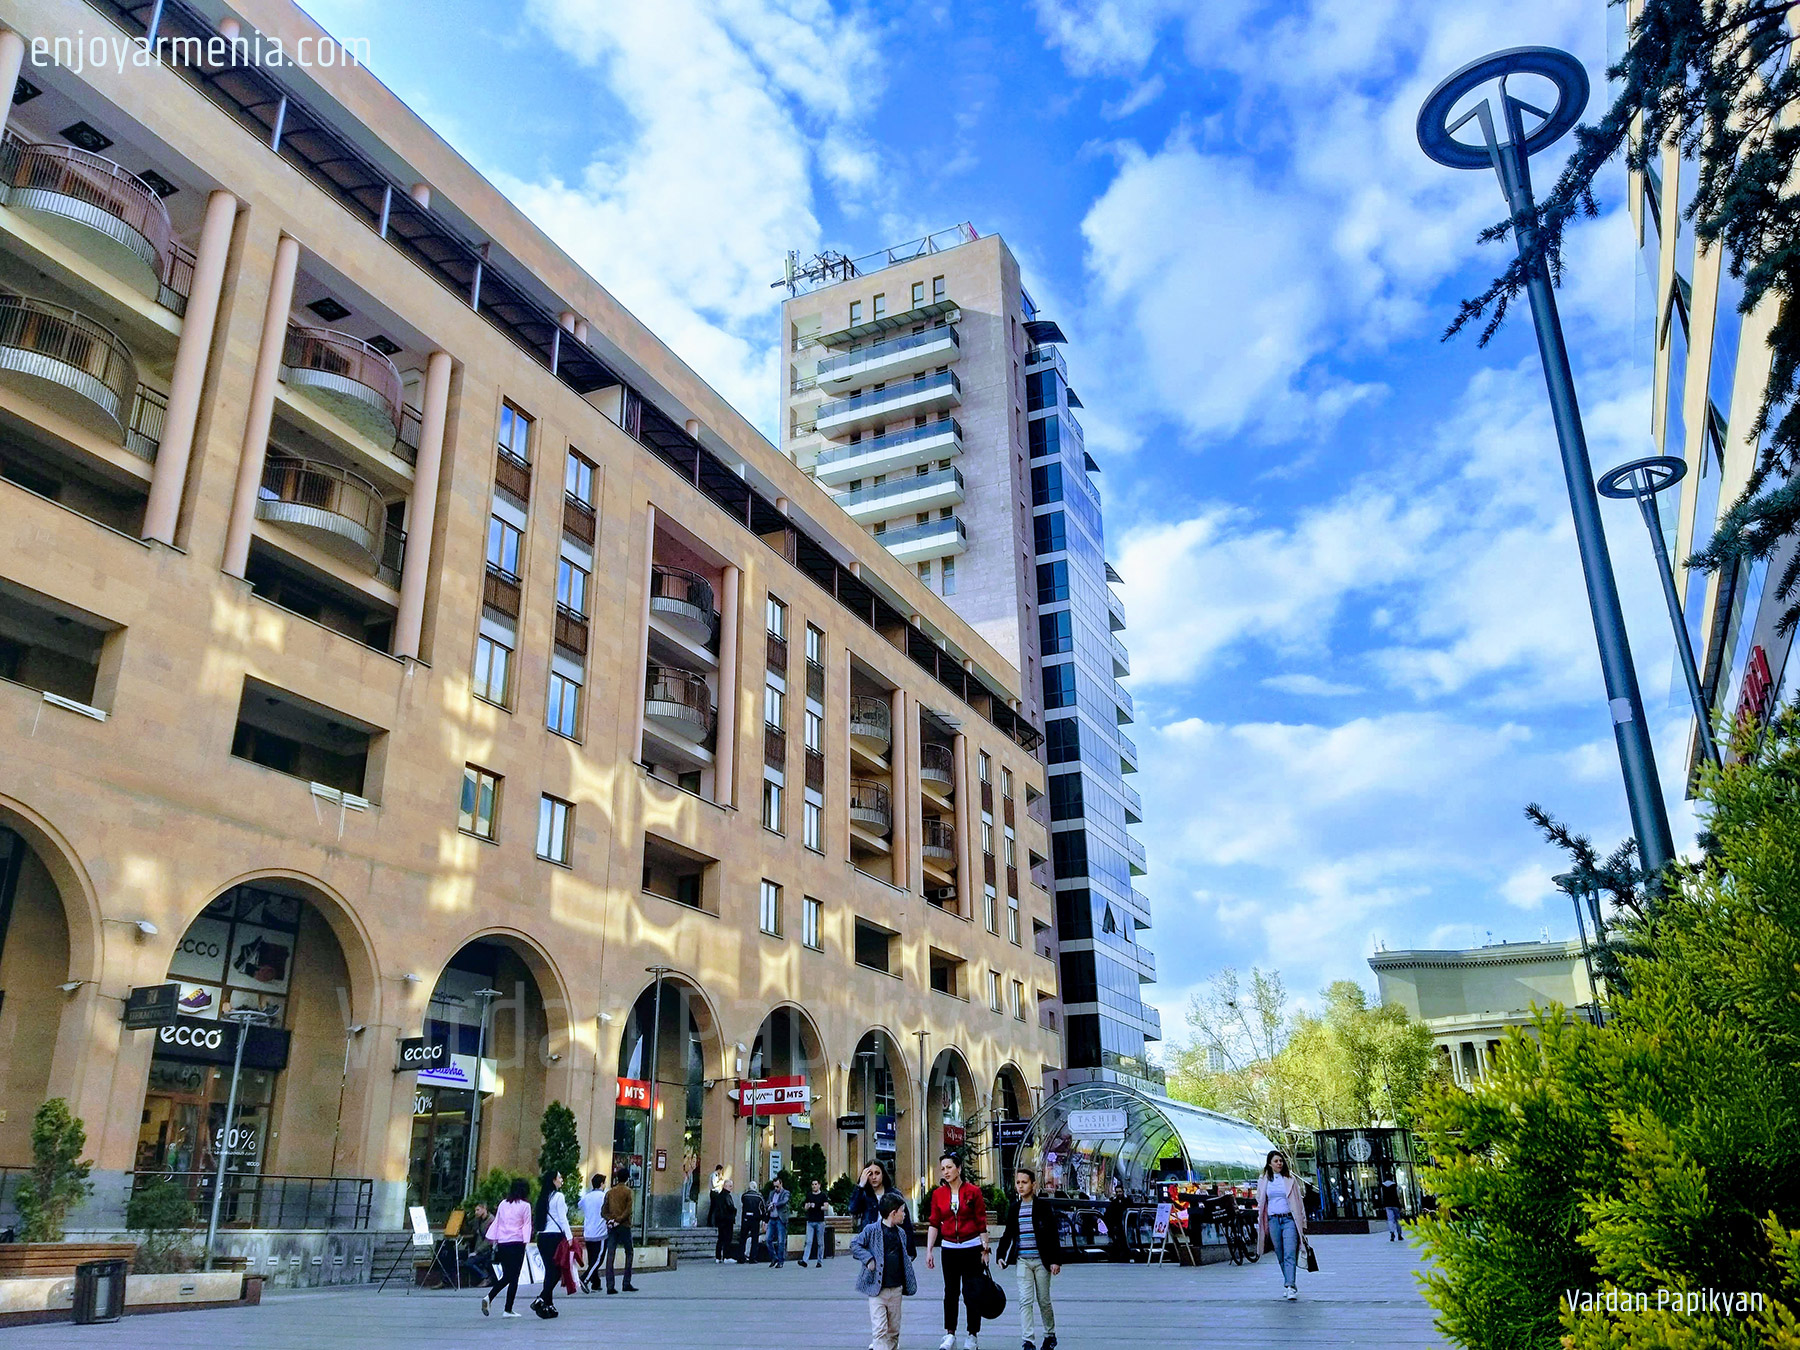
(509, 1232)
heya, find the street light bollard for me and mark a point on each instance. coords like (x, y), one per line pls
(1506, 147)
(1641, 480)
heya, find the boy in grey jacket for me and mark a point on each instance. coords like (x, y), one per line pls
(884, 1271)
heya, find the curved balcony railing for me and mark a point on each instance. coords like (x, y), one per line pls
(870, 807)
(355, 379)
(938, 841)
(684, 600)
(937, 765)
(871, 719)
(90, 190)
(679, 701)
(66, 349)
(338, 510)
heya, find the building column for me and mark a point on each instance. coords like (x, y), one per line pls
(899, 790)
(968, 876)
(169, 478)
(262, 405)
(725, 739)
(421, 512)
(12, 58)
(643, 665)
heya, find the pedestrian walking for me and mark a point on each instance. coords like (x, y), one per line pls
(593, 1229)
(957, 1220)
(751, 1207)
(781, 1208)
(552, 1222)
(616, 1210)
(722, 1215)
(1281, 1218)
(509, 1232)
(1033, 1242)
(1119, 1244)
(884, 1272)
(813, 1207)
(1390, 1201)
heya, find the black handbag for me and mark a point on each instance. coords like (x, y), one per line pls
(990, 1298)
(1312, 1262)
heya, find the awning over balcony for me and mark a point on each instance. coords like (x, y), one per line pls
(888, 323)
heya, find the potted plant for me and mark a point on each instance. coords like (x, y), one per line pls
(57, 1182)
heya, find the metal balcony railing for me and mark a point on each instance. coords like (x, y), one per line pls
(79, 185)
(686, 599)
(325, 500)
(874, 445)
(349, 367)
(64, 347)
(911, 534)
(258, 1200)
(871, 719)
(902, 486)
(938, 840)
(892, 347)
(149, 410)
(680, 696)
(925, 384)
(937, 764)
(870, 806)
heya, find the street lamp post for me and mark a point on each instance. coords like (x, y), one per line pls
(243, 1019)
(1507, 149)
(350, 1035)
(924, 1114)
(1579, 886)
(487, 997)
(1641, 480)
(870, 1143)
(656, 972)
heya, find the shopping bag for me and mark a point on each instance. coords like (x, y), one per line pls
(1312, 1262)
(534, 1265)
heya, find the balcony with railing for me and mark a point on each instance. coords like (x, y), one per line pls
(905, 494)
(937, 766)
(1122, 697)
(890, 360)
(338, 511)
(1134, 853)
(1115, 609)
(894, 452)
(928, 394)
(68, 362)
(679, 703)
(1037, 358)
(933, 539)
(99, 208)
(353, 379)
(871, 725)
(870, 808)
(683, 601)
(937, 843)
(1121, 659)
(1134, 804)
(571, 630)
(1128, 753)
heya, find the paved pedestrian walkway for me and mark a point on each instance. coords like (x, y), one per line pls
(1365, 1295)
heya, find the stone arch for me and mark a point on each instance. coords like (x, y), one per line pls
(950, 1102)
(1010, 1099)
(680, 1110)
(880, 1055)
(787, 1045)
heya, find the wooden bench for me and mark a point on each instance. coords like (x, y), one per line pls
(57, 1260)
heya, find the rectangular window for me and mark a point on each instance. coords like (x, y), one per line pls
(578, 479)
(880, 306)
(1046, 484)
(1012, 920)
(815, 731)
(771, 805)
(1005, 782)
(1053, 582)
(773, 701)
(990, 909)
(770, 917)
(1012, 847)
(493, 670)
(1062, 742)
(925, 573)
(1065, 796)
(855, 312)
(815, 645)
(1056, 633)
(812, 920)
(555, 817)
(503, 547)
(1045, 438)
(480, 802)
(918, 294)
(986, 763)
(1069, 851)
(949, 576)
(987, 833)
(563, 715)
(1018, 1000)
(815, 826)
(515, 433)
(937, 288)
(571, 587)
(777, 617)
(1049, 533)
(994, 990)
(1059, 685)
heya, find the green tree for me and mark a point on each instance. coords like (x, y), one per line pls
(491, 1189)
(58, 1179)
(561, 1151)
(809, 1166)
(840, 1192)
(1714, 79)
(1659, 1152)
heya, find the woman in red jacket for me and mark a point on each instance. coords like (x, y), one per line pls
(957, 1221)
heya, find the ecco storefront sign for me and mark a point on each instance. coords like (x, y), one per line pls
(418, 1053)
(200, 1042)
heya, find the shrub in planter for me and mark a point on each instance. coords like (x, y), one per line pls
(58, 1177)
(161, 1213)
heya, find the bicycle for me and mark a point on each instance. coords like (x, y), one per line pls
(1241, 1238)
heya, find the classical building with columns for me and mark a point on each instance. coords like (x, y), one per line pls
(398, 641)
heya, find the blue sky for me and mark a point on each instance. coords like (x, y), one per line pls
(1360, 643)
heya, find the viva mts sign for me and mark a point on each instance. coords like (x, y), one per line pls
(773, 1096)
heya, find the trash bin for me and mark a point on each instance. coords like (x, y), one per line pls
(100, 1291)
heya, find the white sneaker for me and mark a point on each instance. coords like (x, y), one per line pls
(970, 1343)
(1292, 1293)
(949, 1341)
(511, 1314)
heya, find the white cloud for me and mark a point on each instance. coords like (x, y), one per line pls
(1310, 686)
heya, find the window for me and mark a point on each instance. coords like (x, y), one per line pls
(480, 802)
(773, 701)
(571, 587)
(1056, 633)
(1012, 920)
(578, 480)
(994, 990)
(1018, 1000)
(554, 819)
(1059, 684)
(918, 294)
(937, 288)
(1012, 847)
(1065, 796)
(855, 311)
(880, 306)
(1069, 848)
(815, 645)
(770, 918)
(872, 946)
(925, 571)
(564, 713)
(1049, 532)
(1046, 484)
(812, 919)
(814, 825)
(777, 615)
(987, 833)
(771, 805)
(503, 547)
(493, 670)
(1053, 582)
(1006, 782)
(949, 576)
(1062, 742)
(815, 731)
(515, 433)
(990, 909)
(987, 766)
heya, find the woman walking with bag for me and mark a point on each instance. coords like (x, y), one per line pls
(957, 1220)
(1281, 1217)
(553, 1232)
(509, 1232)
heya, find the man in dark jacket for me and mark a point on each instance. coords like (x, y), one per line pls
(1390, 1203)
(750, 1237)
(1114, 1217)
(721, 1214)
(1033, 1242)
